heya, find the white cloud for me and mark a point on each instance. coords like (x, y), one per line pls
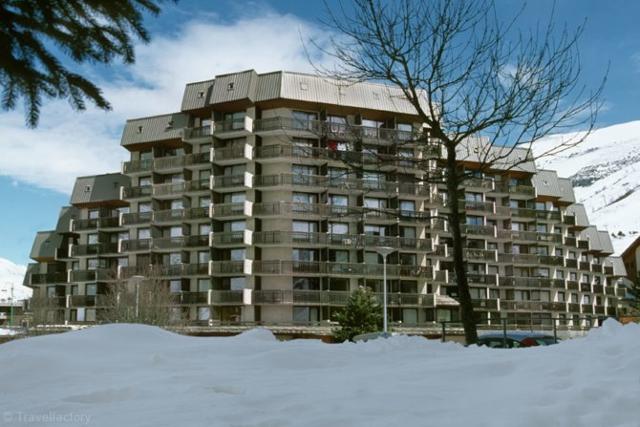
(68, 144)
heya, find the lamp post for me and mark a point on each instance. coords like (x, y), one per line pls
(138, 279)
(384, 251)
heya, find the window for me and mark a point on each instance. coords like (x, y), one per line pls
(175, 258)
(303, 119)
(204, 313)
(475, 220)
(541, 228)
(238, 225)
(405, 131)
(371, 127)
(204, 202)
(306, 283)
(204, 229)
(473, 197)
(408, 232)
(92, 239)
(407, 205)
(238, 197)
(234, 121)
(177, 204)
(372, 203)
(92, 264)
(339, 256)
(203, 257)
(306, 198)
(337, 124)
(175, 286)
(237, 254)
(561, 297)
(175, 231)
(559, 274)
(94, 214)
(374, 230)
(304, 170)
(144, 181)
(305, 226)
(90, 289)
(204, 285)
(237, 283)
(518, 226)
(304, 254)
(338, 200)
(305, 314)
(338, 228)
(144, 207)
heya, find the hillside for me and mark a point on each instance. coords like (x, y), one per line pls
(605, 172)
(11, 273)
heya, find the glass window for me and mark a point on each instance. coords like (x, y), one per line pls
(175, 231)
(304, 198)
(238, 197)
(204, 202)
(144, 181)
(305, 314)
(303, 119)
(144, 233)
(90, 289)
(203, 257)
(237, 283)
(237, 254)
(204, 229)
(204, 285)
(475, 220)
(304, 254)
(204, 313)
(92, 263)
(175, 258)
(305, 226)
(175, 286)
(177, 204)
(407, 205)
(238, 225)
(338, 200)
(374, 230)
(94, 214)
(338, 228)
(372, 203)
(92, 239)
(144, 207)
(123, 262)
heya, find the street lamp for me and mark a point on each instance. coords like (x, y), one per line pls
(384, 251)
(138, 279)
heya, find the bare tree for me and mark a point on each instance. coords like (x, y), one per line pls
(147, 300)
(484, 91)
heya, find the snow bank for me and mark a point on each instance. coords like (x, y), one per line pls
(132, 375)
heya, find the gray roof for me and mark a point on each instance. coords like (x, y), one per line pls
(546, 183)
(578, 210)
(249, 85)
(480, 150)
(45, 245)
(605, 242)
(617, 264)
(566, 190)
(155, 128)
(66, 214)
(98, 188)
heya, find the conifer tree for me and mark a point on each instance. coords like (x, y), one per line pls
(361, 315)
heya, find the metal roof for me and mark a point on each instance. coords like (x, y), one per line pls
(566, 190)
(605, 242)
(66, 214)
(155, 128)
(618, 265)
(98, 188)
(546, 183)
(578, 210)
(478, 150)
(297, 87)
(45, 245)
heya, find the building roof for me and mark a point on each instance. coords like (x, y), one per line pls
(605, 242)
(98, 188)
(480, 150)
(45, 245)
(616, 262)
(155, 128)
(566, 190)
(67, 213)
(631, 248)
(580, 213)
(254, 87)
(546, 184)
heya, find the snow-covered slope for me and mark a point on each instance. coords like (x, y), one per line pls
(605, 171)
(12, 274)
(134, 375)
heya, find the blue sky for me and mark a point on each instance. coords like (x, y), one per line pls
(194, 40)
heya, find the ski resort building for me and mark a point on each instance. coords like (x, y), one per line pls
(242, 205)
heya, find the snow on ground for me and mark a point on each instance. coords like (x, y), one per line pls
(132, 375)
(605, 172)
(4, 331)
(12, 274)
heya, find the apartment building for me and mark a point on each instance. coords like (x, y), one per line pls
(243, 205)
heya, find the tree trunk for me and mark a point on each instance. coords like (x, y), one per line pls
(464, 296)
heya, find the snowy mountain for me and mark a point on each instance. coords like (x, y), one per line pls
(12, 274)
(605, 172)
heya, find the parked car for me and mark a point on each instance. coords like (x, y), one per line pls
(515, 340)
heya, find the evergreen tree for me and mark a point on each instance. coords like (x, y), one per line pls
(35, 33)
(361, 315)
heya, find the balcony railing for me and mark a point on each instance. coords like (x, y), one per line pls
(228, 209)
(228, 153)
(335, 268)
(94, 249)
(342, 240)
(228, 238)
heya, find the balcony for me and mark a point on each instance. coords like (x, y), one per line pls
(227, 181)
(94, 249)
(585, 287)
(521, 190)
(608, 270)
(136, 218)
(523, 213)
(95, 223)
(306, 297)
(572, 285)
(198, 132)
(548, 215)
(525, 236)
(478, 206)
(134, 166)
(521, 305)
(178, 188)
(485, 304)
(195, 269)
(569, 220)
(480, 255)
(225, 210)
(293, 127)
(479, 183)
(137, 192)
(172, 215)
(550, 237)
(479, 230)
(571, 263)
(226, 267)
(339, 269)
(48, 278)
(587, 309)
(583, 244)
(355, 241)
(570, 241)
(179, 242)
(228, 238)
(586, 266)
(552, 260)
(135, 245)
(574, 308)
(92, 275)
(83, 300)
(225, 155)
(234, 128)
